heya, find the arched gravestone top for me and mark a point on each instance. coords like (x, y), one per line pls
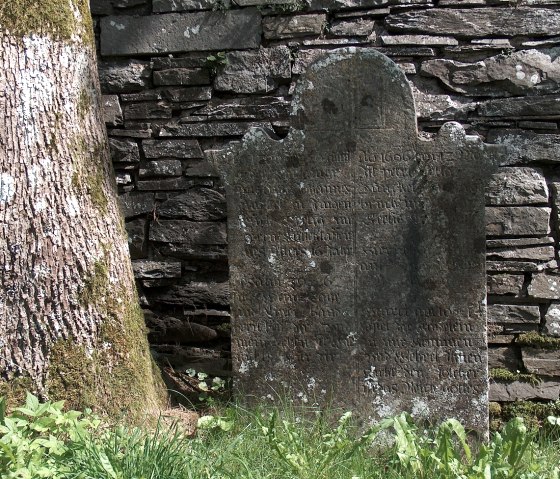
(357, 251)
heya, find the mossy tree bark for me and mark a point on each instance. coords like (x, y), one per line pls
(70, 324)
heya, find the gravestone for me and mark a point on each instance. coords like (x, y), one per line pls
(357, 251)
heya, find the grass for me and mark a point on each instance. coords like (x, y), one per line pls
(42, 440)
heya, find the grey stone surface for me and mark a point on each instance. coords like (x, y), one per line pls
(441, 107)
(124, 76)
(149, 110)
(135, 204)
(112, 112)
(180, 32)
(510, 284)
(161, 168)
(195, 294)
(428, 40)
(254, 71)
(124, 151)
(144, 269)
(197, 204)
(137, 240)
(323, 298)
(188, 232)
(543, 362)
(477, 22)
(168, 329)
(352, 28)
(513, 266)
(182, 77)
(518, 242)
(275, 28)
(527, 146)
(537, 253)
(172, 148)
(526, 71)
(521, 391)
(514, 313)
(517, 186)
(517, 220)
(544, 286)
(253, 108)
(503, 358)
(211, 129)
(519, 107)
(552, 320)
(167, 184)
(164, 6)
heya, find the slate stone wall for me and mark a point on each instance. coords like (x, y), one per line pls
(181, 77)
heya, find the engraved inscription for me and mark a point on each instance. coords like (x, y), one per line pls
(356, 270)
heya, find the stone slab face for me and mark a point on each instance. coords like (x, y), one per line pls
(346, 285)
(176, 32)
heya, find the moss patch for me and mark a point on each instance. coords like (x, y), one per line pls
(534, 414)
(71, 375)
(89, 173)
(54, 18)
(118, 378)
(15, 390)
(96, 285)
(537, 340)
(85, 102)
(501, 374)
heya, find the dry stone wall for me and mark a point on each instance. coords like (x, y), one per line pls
(183, 77)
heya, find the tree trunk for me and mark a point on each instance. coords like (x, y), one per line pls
(70, 324)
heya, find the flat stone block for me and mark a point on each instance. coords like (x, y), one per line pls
(478, 22)
(536, 253)
(180, 32)
(172, 148)
(517, 186)
(510, 284)
(147, 111)
(144, 269)
(188, 232)
(552, 321)
(112, 112)
(124, 151)
(194, 294)
(254, 71)
(510, 313)
(544, 286)
(182, 76)
(161, 168)
(254, 108)
(517, 221)
(135, 204)
(527, 146)
(137, 239)
(522, 391)
(503, 358)
(543, 362)
(211, 129)
(168, 184)
(164, 6)
(522, 72)
(426, 40)
(547, 106)
(277, 28)
(197, 204)
(124, 76)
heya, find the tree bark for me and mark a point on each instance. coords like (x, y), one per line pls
(70, 324)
